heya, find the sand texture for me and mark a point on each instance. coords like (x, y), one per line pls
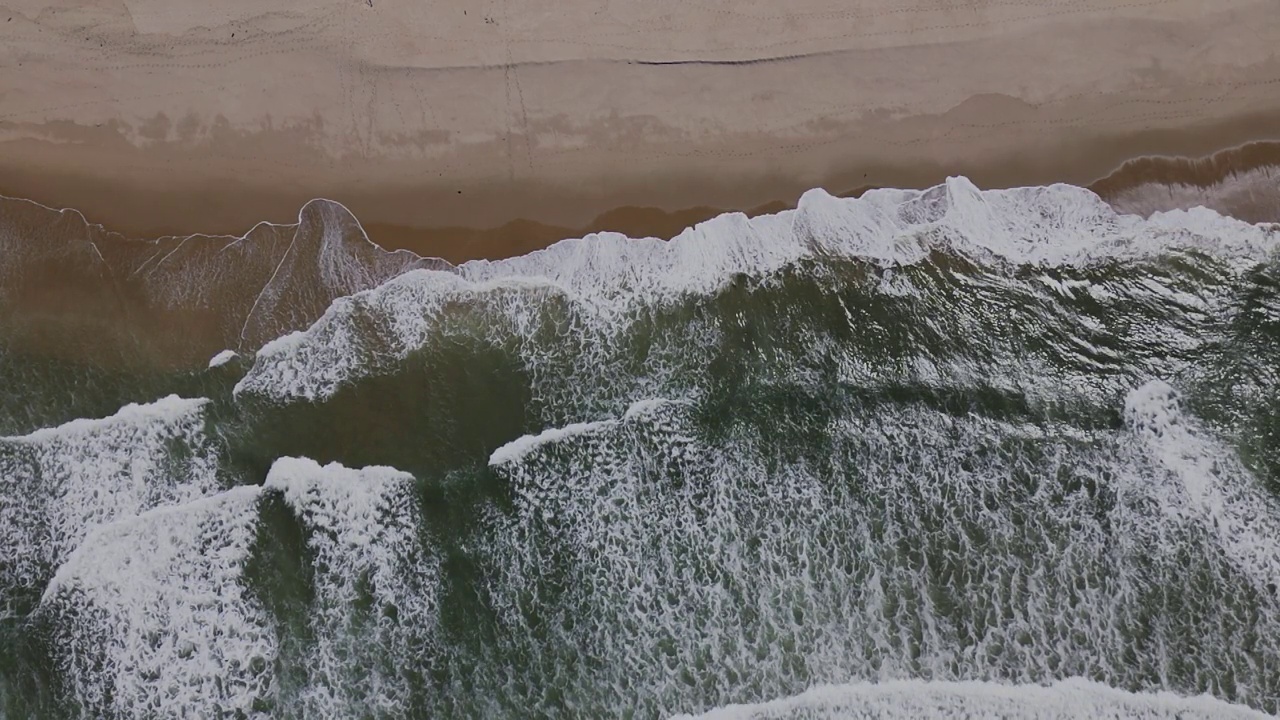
(180, 116)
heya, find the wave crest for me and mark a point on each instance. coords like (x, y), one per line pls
(610, 278)
(1074, 699)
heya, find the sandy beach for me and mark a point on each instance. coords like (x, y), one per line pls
(487, 130)
(169, 118)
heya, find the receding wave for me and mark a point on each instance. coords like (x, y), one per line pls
(942, 453)
(88, 309)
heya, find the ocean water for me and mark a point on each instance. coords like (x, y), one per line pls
(946, 453)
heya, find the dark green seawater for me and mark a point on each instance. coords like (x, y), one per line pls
(894, 445)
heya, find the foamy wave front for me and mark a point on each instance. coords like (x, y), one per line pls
(1208, 482)
(374, 607)
(910, 543)
(60, 483)
(151, 616)
(1074, 699)
(608, 276)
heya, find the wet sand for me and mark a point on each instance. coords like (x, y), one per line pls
(1241, 181)
(464, 130)
(175, 117)
(73, 289)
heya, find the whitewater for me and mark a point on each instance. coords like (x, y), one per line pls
(945, 453)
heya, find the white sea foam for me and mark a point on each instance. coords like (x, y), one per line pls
(607, 275)
(646, 565)
(1211, 483)
(363, 528)
(517, 449)
(316, 362)
(1247, 194)
(170, 408)
(223, 358)
(521, 446)
(909, 543)
(1074, 699)
(59, 483)
(152, 619)
(648, 406)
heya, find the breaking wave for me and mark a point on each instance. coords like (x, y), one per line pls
(610, 276)
(942, 453)
(60, 483)
(918, 700)
(150, 618)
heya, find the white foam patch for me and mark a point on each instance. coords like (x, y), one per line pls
(406, 309)
(152, 618)
(909, 543)
(223, 358)
(364, 529)
(607, 275)
(1074, 699)
(60, 483)
(1210, 482)
(523, 445)
(517, 449)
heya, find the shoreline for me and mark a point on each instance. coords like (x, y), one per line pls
(458, 130)
(73, 288)
(1148, 176)
(439, 125)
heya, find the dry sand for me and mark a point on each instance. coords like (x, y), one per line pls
(175, 116)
